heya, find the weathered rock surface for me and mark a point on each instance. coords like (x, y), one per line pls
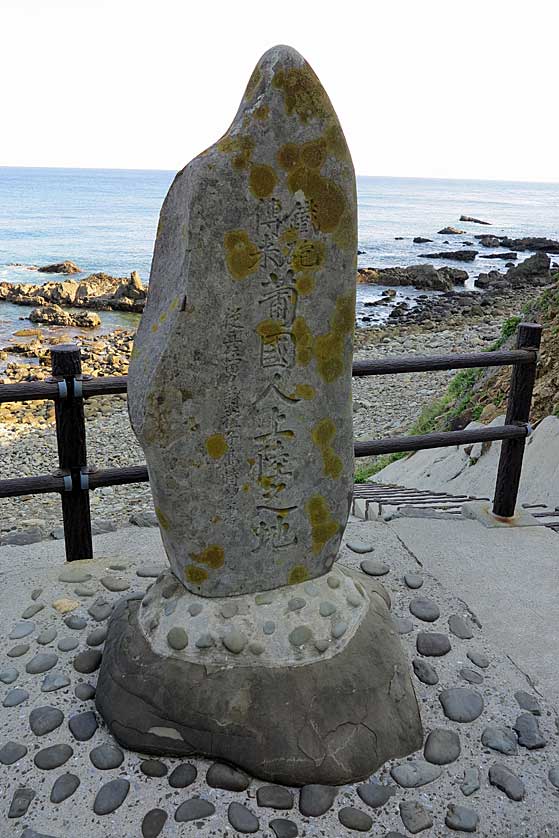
(56, 316)
(98, 291)
(60, 268)
(527, 243)
(458, 255)
(423, 277)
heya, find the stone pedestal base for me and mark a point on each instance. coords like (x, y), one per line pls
(481, 511)
(304, 684)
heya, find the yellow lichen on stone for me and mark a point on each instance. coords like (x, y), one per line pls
(326, 197)
(269, 330)
(322, 435)
(154, 327)
(262, 112)
(308, 255)
(163, 317)
(328, 349)
(246, 487)
(289, 156)
(336, 142)
(303, 341)
(216, 446)
(323, 525)
(305, 284)
(212, 556)
(298, 574)
(241, 254)
(262, 180)
(302, 93)
(241, 146)
(304, 391)
(196, 575)
(253, 82)
(313, 153)
(162, 518)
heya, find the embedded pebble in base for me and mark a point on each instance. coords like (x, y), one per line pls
(235, 641)
(85, 692)
(327, 608)
(111, 796)
(528, 702)
(97, 636)
(333, 582)
(242, 818)
(553, 776)
(54, 681)
(85, 590)
(355, 819)
(229, 610)
(182, 776)
(274, 797)
(114, 584)
(461, 818)
(100, 610)
(53, 757)
(68, 644)
(221, 776)
(83, 725)
(360, 546)
(256, 648)
(471, 676)
(413, 580)
(153, 768)
(87, 661)
(64, 605)
(415, 817)
(269, 627)
(11, 752)
(471, 782)
(432, 644)
(194, 809)
(321, 645)
(36, 593)
(42, 662)
(374, 568)
(205, 641)
(265, 598)
(503, 778)
(195, 609)
(21, 630)
(18, 651)
(76, 622)
(479, 659)
(461, 705)
(529, 735)
(426, 673)
(64, 787)
(15, 697)
(500, 739)
(149, 571)
(354, 599)
(411, 775)
(459, 627)
(442, 746)
(315, 799)
(20, 802)
(284, 828)
(311, 589)
(45, 719)
(107, 756)
(300, 635)
(32, 610)
(375, 795)
(296, 603)
(177, 638)
(47, 636)
(153, 823)
(9, 675)
(425, 609)
(73, 575)
(339, 629)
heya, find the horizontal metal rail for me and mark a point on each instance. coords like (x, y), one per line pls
(439, 440)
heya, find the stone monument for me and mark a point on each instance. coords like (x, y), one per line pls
(254, 647)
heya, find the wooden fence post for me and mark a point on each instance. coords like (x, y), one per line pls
(518, 411)
(72, 456)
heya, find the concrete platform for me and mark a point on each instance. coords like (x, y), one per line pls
(492, 569)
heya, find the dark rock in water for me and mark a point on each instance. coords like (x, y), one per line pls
(534, 267)
(274, 797)
(458, 255)
(450, 231)
(194, 809)
(20, 802)
(507, 256)
(45, 719)
(421, 240)
(375, 794)
(503, 778)
(153, 823)
(471, 220)
(53, 757)
(283, 828)
(55, 315)
(315, 800)
(221, 776)
(356, 819)
(529, 735)
(111, 796)
(242, 819)
(461, 818)
(60, 268)
(182, 776)
(536, 243)
(461, 704)
(423, 277)
(425, 672)
(64, 787)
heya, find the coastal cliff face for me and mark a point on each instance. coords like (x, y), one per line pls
(98, 291)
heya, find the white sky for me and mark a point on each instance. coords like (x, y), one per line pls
(422, 87)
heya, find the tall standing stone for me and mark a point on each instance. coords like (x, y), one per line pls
(240, 394)
(240, 381)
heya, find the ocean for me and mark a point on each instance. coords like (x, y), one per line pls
(106, 219)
